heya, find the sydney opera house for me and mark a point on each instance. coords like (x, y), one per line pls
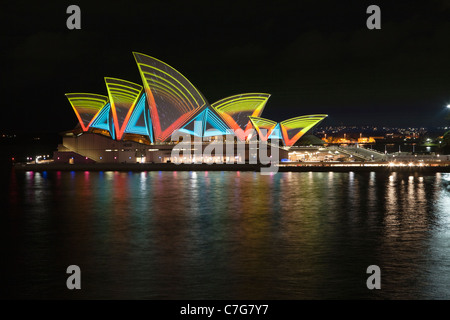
(135, 123)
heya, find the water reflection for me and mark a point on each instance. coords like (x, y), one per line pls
(229, 235)
(437, 282)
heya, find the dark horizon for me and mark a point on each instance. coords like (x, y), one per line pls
(311, 57)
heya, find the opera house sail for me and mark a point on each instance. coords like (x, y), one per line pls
(87, 106)
(235, 110)
(172, 98)
(290, 130)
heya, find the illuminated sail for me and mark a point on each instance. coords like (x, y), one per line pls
(263, 126)
(86, 106)
(172, 99)
(140, 121)
(235, 111)
(289, 130)
(212, 124)
(123, 96)
(293, 129)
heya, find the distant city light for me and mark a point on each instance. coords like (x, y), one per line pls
(448, 106)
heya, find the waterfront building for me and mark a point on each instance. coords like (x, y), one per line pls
(136, 123)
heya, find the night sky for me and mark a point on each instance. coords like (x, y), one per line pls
(312, 56)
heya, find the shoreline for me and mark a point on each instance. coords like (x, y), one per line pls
(323, 167)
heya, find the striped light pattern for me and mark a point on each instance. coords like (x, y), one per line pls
(263, 126)
(86, 106)
(235, 111)
(294, 128)
(123, 96)
(173, 100)
(212, 124)
(190, 127)
(103, 120)
(140, 121)
(291, 129)
(276, 133)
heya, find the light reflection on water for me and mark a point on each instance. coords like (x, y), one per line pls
(226, 235)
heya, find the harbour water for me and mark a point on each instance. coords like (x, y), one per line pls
(225, 235)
